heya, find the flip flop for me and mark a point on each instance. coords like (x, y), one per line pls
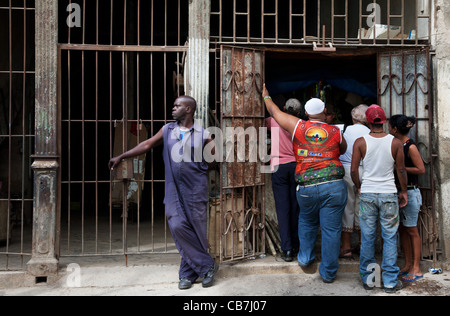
(402, 273)
(415, 277)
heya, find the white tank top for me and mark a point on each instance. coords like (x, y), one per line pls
(378, 164)
(352, 133)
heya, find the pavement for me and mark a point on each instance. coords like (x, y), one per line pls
(157, 275)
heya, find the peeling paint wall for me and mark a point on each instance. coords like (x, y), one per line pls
(441, 65)
(43, 261)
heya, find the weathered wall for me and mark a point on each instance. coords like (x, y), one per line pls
(441, 42)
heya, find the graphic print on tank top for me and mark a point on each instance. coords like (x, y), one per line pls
(316, 146)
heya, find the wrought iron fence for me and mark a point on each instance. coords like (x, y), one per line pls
(16, 131)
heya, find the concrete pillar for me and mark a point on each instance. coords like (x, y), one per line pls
(441, 42)
(197, 64)
(43, 261)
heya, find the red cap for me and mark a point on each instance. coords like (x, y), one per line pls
(375, 115)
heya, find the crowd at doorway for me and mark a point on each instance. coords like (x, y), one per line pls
(345, 173)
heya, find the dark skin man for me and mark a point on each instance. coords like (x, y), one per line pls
(183, 112)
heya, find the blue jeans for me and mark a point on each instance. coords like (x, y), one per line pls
(321, 205)
(409, 215)
(383, 206)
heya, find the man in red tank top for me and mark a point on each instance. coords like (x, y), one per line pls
(321, 190)
(317, 149)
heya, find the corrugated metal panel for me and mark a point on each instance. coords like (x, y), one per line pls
(197, 72)
(197, 77)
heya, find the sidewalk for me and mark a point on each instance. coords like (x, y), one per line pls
(157, 275)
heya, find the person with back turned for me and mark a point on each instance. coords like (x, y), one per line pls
(379, 152)
(283, 164)
(350, 219)
(321, 190)
(399, 126)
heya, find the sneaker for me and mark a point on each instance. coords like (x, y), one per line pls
(394, 289)
(209, 277)
(184, 284)
(327, 281)
(367, 287)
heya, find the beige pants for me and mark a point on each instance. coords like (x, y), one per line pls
(350, 218)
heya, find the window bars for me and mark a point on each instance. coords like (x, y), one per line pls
(120, 70)
(301, 22)
(16, 131)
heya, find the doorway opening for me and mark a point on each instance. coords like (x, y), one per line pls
(397, 80)
(342, 81)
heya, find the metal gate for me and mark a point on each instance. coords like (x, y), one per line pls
(120, 72)
(17, 132)
(242, 203)
(404, 83)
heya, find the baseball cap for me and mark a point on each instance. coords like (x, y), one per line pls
(314, 106)
(375, 115)
(294, 104)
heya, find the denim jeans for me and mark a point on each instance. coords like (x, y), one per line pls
(321, 205)
(382, 206)
(409, 215)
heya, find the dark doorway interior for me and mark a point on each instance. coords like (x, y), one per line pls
(341, 81)
(110, 84)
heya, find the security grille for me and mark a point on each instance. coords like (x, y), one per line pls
(241, 207)
(121, 66)
(322, 22)
(16, 131)
(405, 87)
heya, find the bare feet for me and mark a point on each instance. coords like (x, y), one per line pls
(411, 275)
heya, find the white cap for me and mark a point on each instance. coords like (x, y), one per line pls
(314, 106)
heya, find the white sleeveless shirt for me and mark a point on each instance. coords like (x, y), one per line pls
(352, 133)
(378, 164)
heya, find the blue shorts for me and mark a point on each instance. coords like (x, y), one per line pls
(410, 213)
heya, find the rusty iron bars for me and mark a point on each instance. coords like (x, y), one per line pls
(16, 132)
(94, 130)
(242, 199)
(119, 74)
(349, 23)
(404, 84)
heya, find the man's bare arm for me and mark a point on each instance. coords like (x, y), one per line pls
(343, 145)
(356, 161)
(140, 149)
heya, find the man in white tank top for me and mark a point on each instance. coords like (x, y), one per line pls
(379, 152)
